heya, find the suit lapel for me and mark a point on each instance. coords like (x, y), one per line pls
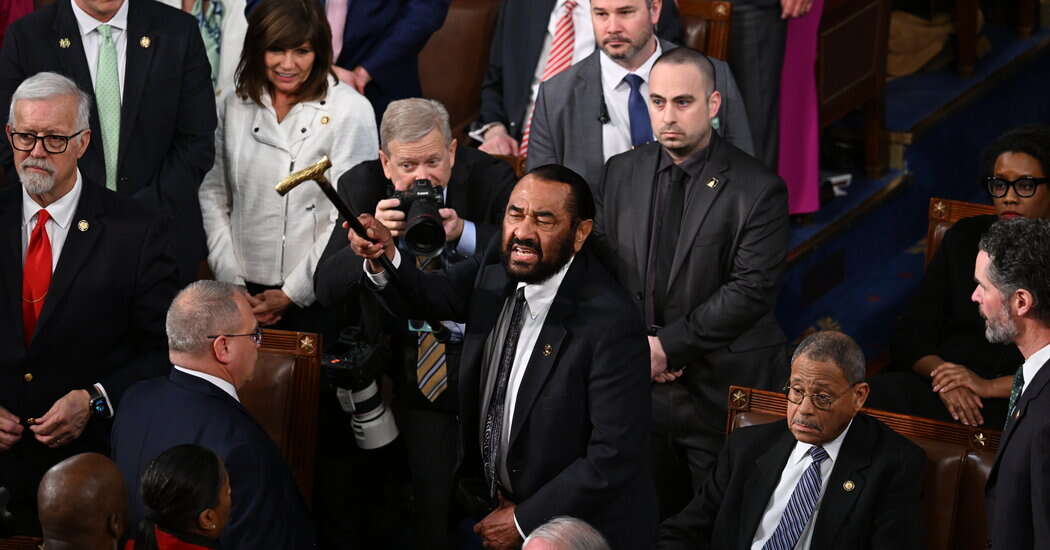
(74, 62)
(699, 198)
(11, 259)
(837, 503)
(1033, 390)
(761, 484)
(482, 321)
(637, 193)
(588, 95)
(137, 67)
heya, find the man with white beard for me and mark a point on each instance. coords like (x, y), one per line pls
(86, 276)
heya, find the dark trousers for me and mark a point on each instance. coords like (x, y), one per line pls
(756, 55)
(908, 393)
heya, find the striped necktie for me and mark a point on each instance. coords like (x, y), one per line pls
(558, 59)
(431, 371)
(801, 506)
(1015, 393)
(107, 98)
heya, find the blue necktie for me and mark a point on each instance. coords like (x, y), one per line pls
(641, 128)
(800, 507)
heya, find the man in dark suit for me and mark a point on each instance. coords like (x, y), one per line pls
(83, 503)
(417, 144)
(153, 119)
(554, 396)
(1013, 296)
(696, 230)
(827, 478)
(213, 340)
(520, 53)
(85, 278)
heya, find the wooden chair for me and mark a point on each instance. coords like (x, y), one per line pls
(943, 214)
(959, 459)
(283, 398)
(707, 25)
(452, 65)
(21, 543)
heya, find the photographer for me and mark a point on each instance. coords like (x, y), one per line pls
(466, 195)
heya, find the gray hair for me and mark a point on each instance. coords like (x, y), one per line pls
(202, 309)
(836, 347)
(569, 533)
(411, 119)
(47, 85)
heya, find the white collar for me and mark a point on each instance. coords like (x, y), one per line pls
(832, 447)
(218, 382)
(613, 73)
(1034, 363)
(88, 23)
(61, 211)
(540, 296)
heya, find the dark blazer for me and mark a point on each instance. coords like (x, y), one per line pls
(566, 128)
(1017, 489)
(943, 320)
(167, 121)
(726, 270)
(579, 438)
(118, 270)
(478, 190)
(883, 511)
(158, 414)
(516, 47)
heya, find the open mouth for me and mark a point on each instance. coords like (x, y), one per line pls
(522, 253)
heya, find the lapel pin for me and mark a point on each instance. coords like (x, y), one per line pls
(145, 42)
(848, 486)
(83, 225)
(547, 350)
(712, 183)
(64, 43)
(324, 120)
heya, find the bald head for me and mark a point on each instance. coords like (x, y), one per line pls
(82, 503)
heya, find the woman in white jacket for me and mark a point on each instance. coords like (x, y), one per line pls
(288, 111)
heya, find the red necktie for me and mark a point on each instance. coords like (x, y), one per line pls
(558, 59)
(36, 276)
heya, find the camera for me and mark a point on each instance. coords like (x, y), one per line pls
(424, 234)
(353, 372)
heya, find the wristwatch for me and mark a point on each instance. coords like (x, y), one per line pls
(97, 403)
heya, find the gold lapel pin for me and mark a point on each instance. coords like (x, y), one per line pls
(64, 43)
(848, 486)
(547, 350)
(83, 225)
(145, 42)
(324, 120)
(712, 183)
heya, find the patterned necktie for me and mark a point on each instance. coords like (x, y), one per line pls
(493, 436)
(36, 275)
(558, 59)
(800, 508)
(638, 111)
(210, 23)
(107, 98)
(1015, 394)
(431, 372)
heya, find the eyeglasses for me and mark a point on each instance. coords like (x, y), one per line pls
(1023, 186)
(821, 401)
(53, 144)
(255, 337)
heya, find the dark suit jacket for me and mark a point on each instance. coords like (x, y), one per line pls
(478, 190)
(102, 321)
(167, 121)
(882, 512)
(943, 320)
(565, 126)
(726, 270)
(1018, 484)
(579, 438)
(158, 414)
(516, 48)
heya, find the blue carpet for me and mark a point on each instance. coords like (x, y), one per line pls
(861, 189)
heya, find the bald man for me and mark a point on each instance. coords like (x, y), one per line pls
(82, 504)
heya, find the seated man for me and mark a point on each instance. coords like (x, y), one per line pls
(565, 533)
(213, 340)
(82, 504)
(832, 479)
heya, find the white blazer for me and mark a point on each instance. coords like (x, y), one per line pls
(254, 234)
(234, 28)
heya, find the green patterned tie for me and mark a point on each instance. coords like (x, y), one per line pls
(107, 97)
(1015, 393)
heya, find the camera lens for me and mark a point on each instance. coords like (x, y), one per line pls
(424, 234)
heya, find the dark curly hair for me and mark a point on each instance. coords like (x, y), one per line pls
(1032, 140)
(1020, 258)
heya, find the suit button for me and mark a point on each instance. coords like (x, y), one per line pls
(638, 296)
(28, 377)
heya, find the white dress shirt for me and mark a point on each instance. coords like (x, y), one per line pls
(1033, 364)
(57, 228)
(215, 380)
(797, 464)
(91, 39)
(616, 134)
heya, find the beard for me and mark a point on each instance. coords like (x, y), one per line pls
(632, 48)
(1000, 329)
(36, 183)
(545, 267)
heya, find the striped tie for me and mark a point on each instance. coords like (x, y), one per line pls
(107, 99)
(559, 59)
(800, 508)
(1015, 394)
(431, 375)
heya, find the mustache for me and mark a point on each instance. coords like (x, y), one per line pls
(42, 164)
(670, 128)
(528, 243)
(615, 38)
(806, 424)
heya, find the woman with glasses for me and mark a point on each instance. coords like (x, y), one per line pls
(951, 371)
(288, 112)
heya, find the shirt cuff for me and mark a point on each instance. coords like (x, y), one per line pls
(109, 405)
(382, 278)
(468, 241)
(518, 527)
(479, 134)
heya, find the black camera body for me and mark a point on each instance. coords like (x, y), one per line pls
(424, 233)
